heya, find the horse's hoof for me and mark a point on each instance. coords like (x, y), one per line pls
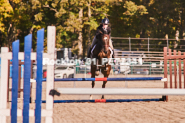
(90, 97)
(102, 97)
(97, 73)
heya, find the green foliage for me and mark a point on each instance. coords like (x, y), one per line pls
(128, 18)
(133, 9)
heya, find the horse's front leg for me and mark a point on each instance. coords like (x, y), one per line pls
(103, 86)
(97, 72)
(92, 76)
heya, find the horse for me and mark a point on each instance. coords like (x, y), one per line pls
(99, 51)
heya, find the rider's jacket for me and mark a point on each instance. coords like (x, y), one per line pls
(101, 30)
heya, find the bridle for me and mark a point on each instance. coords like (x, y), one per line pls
(106, 45)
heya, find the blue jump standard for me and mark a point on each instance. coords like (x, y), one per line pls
(108, 79)
(105, 100)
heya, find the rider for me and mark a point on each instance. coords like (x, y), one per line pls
(103, 28)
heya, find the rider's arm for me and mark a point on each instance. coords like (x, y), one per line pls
(98, 33)
(109, 31)
(110, 34)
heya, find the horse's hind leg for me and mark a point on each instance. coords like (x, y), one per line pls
(93, 75)
(93, 82)
(106, 74)
(103, 86)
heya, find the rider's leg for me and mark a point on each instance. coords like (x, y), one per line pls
(89, 50)
(111, 46)
(94, 41)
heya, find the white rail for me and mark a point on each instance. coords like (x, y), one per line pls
(120, 91)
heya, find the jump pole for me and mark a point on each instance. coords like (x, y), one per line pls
(105, 100)
(109, 79)
(105, 79)
(117, 91)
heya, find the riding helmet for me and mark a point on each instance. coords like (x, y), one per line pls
(105, 21)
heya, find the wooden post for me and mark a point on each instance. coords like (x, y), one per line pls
(170, 62)
(165, 72)
(19, 81)
(180, 85)
(8, 81)
(175, 69)
(184, 69)
(51, 33)
(31, 82)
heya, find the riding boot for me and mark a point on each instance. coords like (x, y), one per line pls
(89, 52)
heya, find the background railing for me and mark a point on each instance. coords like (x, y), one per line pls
(141, 62)
(145, 44)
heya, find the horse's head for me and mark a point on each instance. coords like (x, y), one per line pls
(105, 43)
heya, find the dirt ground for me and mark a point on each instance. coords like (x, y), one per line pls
(126, 112)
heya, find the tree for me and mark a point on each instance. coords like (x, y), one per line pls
(6, 13)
